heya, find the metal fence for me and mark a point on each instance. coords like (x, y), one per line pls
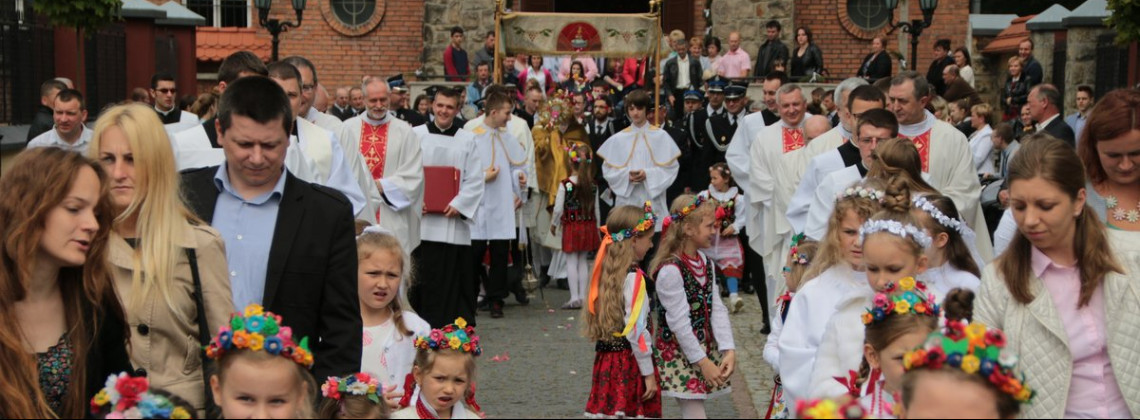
(1111, 65)
(1060, 53)
(27, 58)
(106, 71)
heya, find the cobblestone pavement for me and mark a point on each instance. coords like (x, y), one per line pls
(535, 364)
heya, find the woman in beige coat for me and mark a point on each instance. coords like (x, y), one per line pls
(151, 246)
(1066, 293)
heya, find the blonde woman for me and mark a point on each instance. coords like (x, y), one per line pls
(169, 267)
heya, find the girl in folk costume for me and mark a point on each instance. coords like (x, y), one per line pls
(356, 396)
(262, 372)
(444, 375)
(390, 325)
(954, 261)
(576, 210)
(693, 336)
(617, 318)
(893, 254)
(836, 273)
(726, 250)
(799, 259)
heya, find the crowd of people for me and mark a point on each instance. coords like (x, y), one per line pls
(282, 255)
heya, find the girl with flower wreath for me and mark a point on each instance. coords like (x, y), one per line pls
(835, 273)
(726, 249)
(694, 343)
(799, 259)
(444, 373)
(577, 212)
(894, 247)
(262, 371)
(953, 261)
(390, 325)
(624, 381)
(126, 397)
(356, 396)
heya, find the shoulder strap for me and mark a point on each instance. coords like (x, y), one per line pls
(203, 331)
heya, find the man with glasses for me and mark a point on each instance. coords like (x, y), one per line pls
(164, 91)
(309, 83)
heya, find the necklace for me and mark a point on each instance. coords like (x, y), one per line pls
(1119, 213)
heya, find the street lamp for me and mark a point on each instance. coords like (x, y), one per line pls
(914, 27)
(276, 27)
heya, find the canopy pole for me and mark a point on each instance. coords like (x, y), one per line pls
(498, 64)
(654, 6)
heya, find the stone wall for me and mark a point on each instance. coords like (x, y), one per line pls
(1081, 67)
(749, 17)
(476, 17)
(1043, 45)
(989, 73)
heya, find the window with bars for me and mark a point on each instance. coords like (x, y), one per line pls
(222, 13)
(353, 13)
(868, 14)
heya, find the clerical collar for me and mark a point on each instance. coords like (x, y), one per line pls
(449, 131)
(917, 129)
(371, 121)
(800, 125)
(167, 112)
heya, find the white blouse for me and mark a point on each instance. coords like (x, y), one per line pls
(388, 355)
(941, 280)
(671, 294)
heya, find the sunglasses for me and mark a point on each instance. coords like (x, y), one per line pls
(166, 91)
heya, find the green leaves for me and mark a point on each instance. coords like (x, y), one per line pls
(1125, 19)
(88, 15)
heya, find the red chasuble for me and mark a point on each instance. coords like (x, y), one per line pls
(793, 139)
(374, 147)
(922, 143)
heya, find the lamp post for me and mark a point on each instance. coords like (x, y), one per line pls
(914, 27)
(275, 26)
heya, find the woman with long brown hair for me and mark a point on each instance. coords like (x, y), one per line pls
(1061, 293)
(61, 326)
(1110, 149)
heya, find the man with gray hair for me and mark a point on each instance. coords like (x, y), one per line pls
(815, 126)
(340, 107)
(958, 88)
(945, 152)
(309, 84)
(1045, 107)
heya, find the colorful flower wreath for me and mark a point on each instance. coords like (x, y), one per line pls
(259, 330)
(799, 258)
(646, 224)
(976, 351)
(680, 215)
(572, 151)
(908, 296)
(360, 384)
(457, 336)
(831, 409)
(125, 397)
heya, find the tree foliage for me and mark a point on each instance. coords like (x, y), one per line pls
(87, 15)
(1125, 19)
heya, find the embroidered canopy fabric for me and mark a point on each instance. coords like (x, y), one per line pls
(599, 35)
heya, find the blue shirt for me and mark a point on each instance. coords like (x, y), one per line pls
(1076, 121)
(247, 228)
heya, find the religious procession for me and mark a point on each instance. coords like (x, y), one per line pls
(663, 209)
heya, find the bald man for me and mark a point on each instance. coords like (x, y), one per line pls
(340, 107)
(815, 126)
(321, 103)
(735, 63)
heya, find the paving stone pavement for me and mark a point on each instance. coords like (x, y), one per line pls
(535, 364)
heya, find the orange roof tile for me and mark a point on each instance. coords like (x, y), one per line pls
(1008, 40)
(215, 44)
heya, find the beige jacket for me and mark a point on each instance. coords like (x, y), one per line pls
(1038, 337)
(166, 345)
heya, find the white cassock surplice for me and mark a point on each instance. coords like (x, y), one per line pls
(810, 310)
(768, 154)
(323, 120)
(330, 163)
(391, 155)
(186, 121)
(646, 148)
(841, 346)
(498, 149)
(520, 131)
(738, 157)
(458, 151)
(814, 162)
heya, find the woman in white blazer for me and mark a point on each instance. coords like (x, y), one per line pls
(1066, 293)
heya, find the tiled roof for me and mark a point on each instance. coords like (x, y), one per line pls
(1008, 39)
(215, 44)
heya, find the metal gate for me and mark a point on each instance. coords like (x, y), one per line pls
(27, 59)
(1111, 65)
(1060, 50)
(105, 67)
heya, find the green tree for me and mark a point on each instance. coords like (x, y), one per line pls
(86, 16)
(1125, 19)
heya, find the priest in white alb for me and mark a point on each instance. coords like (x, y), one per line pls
(391, 152)
(640, 161)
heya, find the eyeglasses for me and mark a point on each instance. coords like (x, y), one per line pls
(871, 140)
(166, 91)
(308, 88)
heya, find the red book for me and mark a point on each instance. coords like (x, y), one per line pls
(441, 185)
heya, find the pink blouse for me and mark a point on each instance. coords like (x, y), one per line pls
(1093, 390)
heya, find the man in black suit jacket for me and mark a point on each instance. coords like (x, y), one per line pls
(673, 81)
(941, 60)
(771, 52)
(1030, 67)
(310, 265)
(1045, 107)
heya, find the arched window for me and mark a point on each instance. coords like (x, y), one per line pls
(353, 13)
(868, 15)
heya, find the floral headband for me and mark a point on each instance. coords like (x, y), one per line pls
(259, 330)
(830, 409)
(680, 215)
(800, 258)
(360, 384)
(125, 397)
(575, 158)
(647, 223)
(896, 228)
(457, 336)
(905, 297)
(921, 203)
(976, 351)
(862, 192)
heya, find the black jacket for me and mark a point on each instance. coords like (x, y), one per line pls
(934, 75)
(1031, 69)
(42, 122)
(342, 115)
(770, 52)
(311, 280)
(410, 116)
(810, 62)
(108, 352)
(671, 76)
(1060, 129)
(1018, 94)
(872, 70)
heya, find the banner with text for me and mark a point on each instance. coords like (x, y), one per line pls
(599, 35)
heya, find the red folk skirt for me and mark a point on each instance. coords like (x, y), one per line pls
(618, 385)
(580, 236)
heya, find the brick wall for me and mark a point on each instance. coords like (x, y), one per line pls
(844, 45)
(394, 45)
